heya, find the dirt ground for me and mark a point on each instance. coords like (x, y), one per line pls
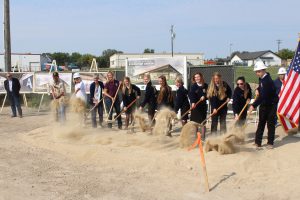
(41, 160)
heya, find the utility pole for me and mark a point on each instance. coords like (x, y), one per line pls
(172, 38)
(7, 45)
(230, 49)
(278, 44)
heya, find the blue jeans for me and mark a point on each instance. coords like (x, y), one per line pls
(117, 108)
(14, 100)
(61, 113)
(99, 110)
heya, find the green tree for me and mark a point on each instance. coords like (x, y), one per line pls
(85, 60)
(286, 54)
(149, 50)
(60, 57)
(75, 57)
(106, 54)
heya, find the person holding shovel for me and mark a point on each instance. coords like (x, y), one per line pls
(130, 93)
(111, 89)
(181, 100)
(241, 96)
(219, 92)
(150, 98)
(198, 98)
(165, 97)
(96, 100)
(266, 101)
(58, 92)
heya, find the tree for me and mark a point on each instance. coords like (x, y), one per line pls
(148, 50)
(286, 54)
(61, 58)
(106, 54)
(85, 60)
(75, 57)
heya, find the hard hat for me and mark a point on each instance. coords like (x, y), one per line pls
(76, 75)
(281, 70)
(259, 65)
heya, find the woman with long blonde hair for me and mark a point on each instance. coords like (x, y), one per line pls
(130, 92)
(218, 92)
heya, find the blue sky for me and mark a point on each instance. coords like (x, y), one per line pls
(208, 26)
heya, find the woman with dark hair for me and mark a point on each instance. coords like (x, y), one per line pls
(242, 93)
(198, 91)
(181, 100)
(130, 92)
(218, 92)
(165, 98)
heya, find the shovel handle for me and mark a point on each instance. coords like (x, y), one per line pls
(124, 110)
(199, 101)
(221, 106)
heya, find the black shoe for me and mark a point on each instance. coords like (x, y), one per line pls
(13, 116)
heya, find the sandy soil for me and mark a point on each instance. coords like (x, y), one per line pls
(41, 160)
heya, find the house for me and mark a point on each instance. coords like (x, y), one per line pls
(25, 62)
(250, 58)
(118, 60)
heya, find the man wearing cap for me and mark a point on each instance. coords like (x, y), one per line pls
(12, 87)
(278, 83)
(96, 100)
(266, 101)
(58, 92)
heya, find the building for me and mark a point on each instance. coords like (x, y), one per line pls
(25, 61)
(250, 58)
(118, 60)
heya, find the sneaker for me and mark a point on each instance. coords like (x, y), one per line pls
(269, 146)
(297, 135)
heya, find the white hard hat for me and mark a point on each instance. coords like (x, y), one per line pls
(259, 65)
(76, 75)
(281, 70)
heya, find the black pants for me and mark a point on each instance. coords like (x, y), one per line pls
(267, 115)
(221, 115)
(242, 119)
(14, 101)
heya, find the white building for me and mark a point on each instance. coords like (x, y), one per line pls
(25, 61)
(118, 60)
(250, 58)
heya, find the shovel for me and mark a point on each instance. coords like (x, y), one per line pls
(200, 100)
(110, 121)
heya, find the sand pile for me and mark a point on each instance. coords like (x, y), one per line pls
(164, 122)
(77, 105)
(225, 144)
(141, 119)
(188, 134)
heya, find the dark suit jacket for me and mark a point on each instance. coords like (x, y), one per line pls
(15, 86)
(92, 91)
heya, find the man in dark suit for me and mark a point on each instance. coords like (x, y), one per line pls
(12, 87)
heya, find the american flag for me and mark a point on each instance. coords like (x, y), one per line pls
(289, 98)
